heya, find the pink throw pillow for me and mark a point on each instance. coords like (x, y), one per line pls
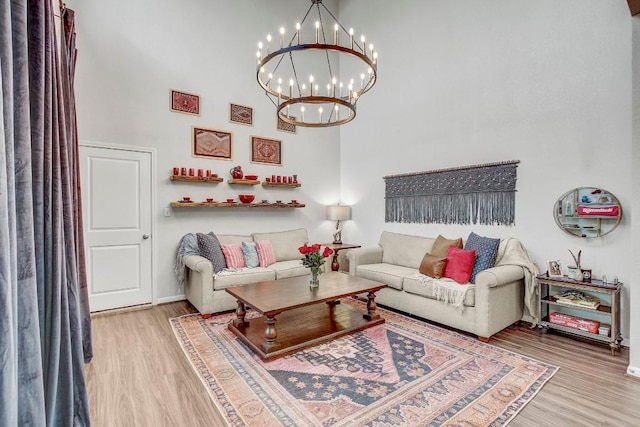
(266, 255)
(233, 255)
(459, 264)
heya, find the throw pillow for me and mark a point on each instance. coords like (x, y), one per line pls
(441, 246)
(433, 266)
(209, 247)
(459, 264)
(266, 254)
(250, 254)
(233, 255)
(486, 253)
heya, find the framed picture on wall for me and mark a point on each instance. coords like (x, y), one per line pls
(554, 268)
(266, 150)
(211, 143)
(286, 127)
(241, 114)
(182, 102)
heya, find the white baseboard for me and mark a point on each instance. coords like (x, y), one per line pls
(173, 298)
(633, 371)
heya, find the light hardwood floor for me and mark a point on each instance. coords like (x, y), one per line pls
(140, 377)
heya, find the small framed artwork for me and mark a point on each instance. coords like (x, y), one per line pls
(241, 114)
(554, 269)
(182, 102)
(266, 150)
(211, 143)
(286, 127)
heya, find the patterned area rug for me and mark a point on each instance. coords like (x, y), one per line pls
(402, 373)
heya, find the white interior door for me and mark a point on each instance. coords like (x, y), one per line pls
(116, 193)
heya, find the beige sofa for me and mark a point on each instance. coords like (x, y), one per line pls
(206, 290)
(495, 303)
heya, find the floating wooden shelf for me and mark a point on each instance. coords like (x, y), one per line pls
(244, 181)
(280, 184)
(208, 180)
(235, 205)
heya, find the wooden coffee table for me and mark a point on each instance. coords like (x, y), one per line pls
(306, 316)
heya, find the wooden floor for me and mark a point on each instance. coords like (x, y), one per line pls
(140, 377)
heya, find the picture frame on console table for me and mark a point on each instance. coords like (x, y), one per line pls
(266, 151)
(182, 102)
(211, 143)
(554, 268)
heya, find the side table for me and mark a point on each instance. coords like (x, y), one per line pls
(337, 247)
(608, 310)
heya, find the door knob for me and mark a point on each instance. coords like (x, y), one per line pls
(145, 236)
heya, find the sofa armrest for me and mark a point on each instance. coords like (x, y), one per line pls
(199, 264)
(499, 276)
(361, 256)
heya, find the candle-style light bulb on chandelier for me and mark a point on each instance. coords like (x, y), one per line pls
(316, 77)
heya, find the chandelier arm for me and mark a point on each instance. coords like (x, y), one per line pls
(295, 74)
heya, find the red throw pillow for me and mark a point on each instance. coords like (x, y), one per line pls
(459, 264)
(233, 255)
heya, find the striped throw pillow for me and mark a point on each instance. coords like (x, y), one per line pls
(233, 255)
(266, 254)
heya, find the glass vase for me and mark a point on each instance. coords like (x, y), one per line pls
(314, 282)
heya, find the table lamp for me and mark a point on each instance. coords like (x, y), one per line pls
(338, 213)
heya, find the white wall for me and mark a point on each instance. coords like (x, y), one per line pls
(468, 82)
(130, 54)
(634, 357)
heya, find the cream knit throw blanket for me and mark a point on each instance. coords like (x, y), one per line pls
(448, 290)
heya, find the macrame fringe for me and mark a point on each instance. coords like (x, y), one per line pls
(492, 208)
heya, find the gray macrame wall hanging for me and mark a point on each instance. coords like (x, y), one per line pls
(480, 194)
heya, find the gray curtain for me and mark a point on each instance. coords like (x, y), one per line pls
(45, 330)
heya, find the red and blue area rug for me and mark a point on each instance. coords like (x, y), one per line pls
(402, 373)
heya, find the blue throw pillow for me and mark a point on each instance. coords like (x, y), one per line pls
(486, 253)
(210, 249)
(250, 254)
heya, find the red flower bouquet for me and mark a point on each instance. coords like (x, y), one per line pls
(313, 259)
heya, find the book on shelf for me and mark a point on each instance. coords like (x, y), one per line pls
(578, 299)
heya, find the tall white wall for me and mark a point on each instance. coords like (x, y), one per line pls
(130, 54)
(469, 82)
(634, 357)
(466, 82)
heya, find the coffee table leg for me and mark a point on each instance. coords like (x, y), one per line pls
(371, 307)
(270, 333)
(239, 321)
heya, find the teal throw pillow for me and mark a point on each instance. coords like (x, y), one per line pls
(250, 254)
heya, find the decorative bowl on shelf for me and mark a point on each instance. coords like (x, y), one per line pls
(246, 198)
(251, 177)
(230, 201)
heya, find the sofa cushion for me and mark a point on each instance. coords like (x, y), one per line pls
(403, 249)
(242, 277)
(233, 255)
(459, 264)
(486, 253)
(209, 247)
(433, 266)
(441, 245)
(250, 254)
(285, 243)
(291, 268)
(266, 256)
(419, 285)
(389, 274)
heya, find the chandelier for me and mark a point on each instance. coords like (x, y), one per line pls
(303, 76)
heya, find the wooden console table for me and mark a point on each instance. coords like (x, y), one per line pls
(608, 310)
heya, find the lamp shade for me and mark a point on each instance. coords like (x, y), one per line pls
(338, 213)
